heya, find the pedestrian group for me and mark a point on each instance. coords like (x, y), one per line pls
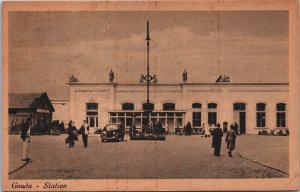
(216, 134)
(72, 133)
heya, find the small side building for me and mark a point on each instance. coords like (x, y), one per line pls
(35, 105)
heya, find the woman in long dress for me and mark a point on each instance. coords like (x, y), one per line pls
(230, 139)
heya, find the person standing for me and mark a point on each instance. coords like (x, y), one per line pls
(85, 132)
(230, 139)
(72, 133)
(236, 128)
(167, 127)
(188, 129)
(25, 136)
(206, 130)
(217, 135)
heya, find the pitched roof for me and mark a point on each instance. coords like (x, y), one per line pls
(26, 100)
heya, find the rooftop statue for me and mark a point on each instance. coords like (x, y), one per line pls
(154, 79)
(111, 76)
(223, 78)
(142, 79)
(184, 76)
(73, 79)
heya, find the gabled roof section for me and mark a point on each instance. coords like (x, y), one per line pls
(28, 100)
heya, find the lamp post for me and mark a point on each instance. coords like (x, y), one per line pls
(148, 78)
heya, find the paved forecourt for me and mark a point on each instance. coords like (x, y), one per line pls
(177, 157)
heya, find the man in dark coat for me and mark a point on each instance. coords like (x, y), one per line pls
(236, 128)
(25, 136)
(217, 135)
(189, 129)
(72, 132)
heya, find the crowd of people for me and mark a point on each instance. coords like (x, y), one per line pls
(217, 133)
(152, 128)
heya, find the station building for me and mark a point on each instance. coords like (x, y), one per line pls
(254, 106)
(35, 105)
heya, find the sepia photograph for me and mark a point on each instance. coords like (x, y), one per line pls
(122, 94)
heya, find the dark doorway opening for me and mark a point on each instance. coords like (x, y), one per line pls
(242, 122)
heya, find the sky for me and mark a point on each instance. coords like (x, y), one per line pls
(45, 48)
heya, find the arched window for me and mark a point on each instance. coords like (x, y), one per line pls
(127, 106)
(196, 105)
(280, 106)
(280, 115)
(92, 106)
(239, 106)
(148, 107)
(212, 105)
(260, 115)
(260, 107)
(168, 106)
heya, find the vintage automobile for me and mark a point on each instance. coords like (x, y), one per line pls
(147, 133)
(113, 132)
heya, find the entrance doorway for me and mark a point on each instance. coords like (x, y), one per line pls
(92, 121)
(92, 116)
(242, 122)
(239, 116)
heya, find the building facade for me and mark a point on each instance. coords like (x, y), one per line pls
(34, 105)
(254, 106)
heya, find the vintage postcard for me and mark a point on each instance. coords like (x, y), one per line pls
(150, 95)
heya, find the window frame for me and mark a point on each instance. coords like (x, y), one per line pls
(194, 106)
(198, 124)
(261, 109)
(150, 104)
(92, 113)
(127, 106)
(173, 108)
(283, 112)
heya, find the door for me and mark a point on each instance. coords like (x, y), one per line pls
(242, 122)
(93, 123)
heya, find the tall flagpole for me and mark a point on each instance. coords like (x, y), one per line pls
(148, 76)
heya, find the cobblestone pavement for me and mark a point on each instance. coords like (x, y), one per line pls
(177, 157)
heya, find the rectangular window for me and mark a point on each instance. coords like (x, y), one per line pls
(280, 116)
(212, 118)
(113, 120)
(137, 121)
(91, 113)
(179, 122)
(260, 119)
(129, 122)
(197, 119)
(121, 120)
